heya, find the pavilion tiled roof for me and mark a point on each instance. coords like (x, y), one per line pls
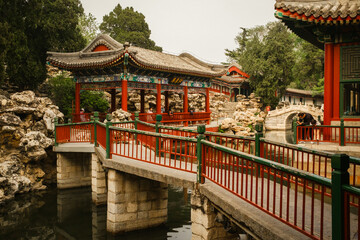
(300, 91)
(324, 11)
(85, 59)
(232, 79)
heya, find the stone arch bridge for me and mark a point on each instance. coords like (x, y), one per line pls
(281, 119)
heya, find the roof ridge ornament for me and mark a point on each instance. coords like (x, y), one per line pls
(126, 45)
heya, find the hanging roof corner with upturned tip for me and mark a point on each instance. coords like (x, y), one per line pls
(242, 77)
(324, 11)
(104, 51)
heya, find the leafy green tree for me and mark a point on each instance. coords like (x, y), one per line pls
(265, 53)
(309, 65)
(318, 89)
(93, 101)
(88, 27)
(62, 93)
(35, 27)
(3, 43)
(128, 25)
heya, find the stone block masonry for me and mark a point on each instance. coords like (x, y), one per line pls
(73, 170)
(134, 202)
(98, 181)
(204, 224)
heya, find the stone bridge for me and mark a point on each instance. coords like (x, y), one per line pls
(136, 194)
(281, 119)
(239, 185)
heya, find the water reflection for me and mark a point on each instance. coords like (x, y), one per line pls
(69, 214)
(29, 216)
(280, 136)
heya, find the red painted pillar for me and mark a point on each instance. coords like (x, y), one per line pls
(124, 96)
(186, 104)
(166, 101)
(207, 102)
(77, 98)
(336, 83)
(186, 100)
(158, 98)
(142, 101)
(113, 100)
(328, 83)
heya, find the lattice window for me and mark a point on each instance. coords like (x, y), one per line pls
(351, 63)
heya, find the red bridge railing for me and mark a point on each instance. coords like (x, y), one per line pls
(160, 149)
(300, 187)
(342, 135)
(77, 132)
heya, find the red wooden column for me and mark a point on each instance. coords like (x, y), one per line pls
(186, 100)
(336, 83)
(328, 83)
(142, 101)
(207, 102)
(186, 104)
(158, 98)
(124, 95)
(77, 98)
(113, 100)
(166, 101)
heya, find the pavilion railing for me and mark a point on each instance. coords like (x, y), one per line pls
(298, 196)
(175, 118)
(86, 117)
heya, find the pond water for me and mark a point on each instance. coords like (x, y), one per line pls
(70, 214)
(280, 136)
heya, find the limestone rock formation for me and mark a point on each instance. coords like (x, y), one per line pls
(196, 102)
(217, 106)
(248, 113)
(26, 137)
(120, 116)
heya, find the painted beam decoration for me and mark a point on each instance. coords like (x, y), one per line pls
(113, 81)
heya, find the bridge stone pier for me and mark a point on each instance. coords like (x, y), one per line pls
(135, 202)
(206, 223)
(281, 119)
(98, 181)
(73, 169)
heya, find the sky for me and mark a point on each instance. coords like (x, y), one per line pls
(203, 28)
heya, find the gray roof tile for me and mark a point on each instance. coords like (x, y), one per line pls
(184, 63)
(321, 8)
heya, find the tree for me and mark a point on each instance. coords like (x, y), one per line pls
(3, 49)
(127, 25)
(62, 93)
(266, 54)
(35, 27)
(318, 89)
(309, 65)
(88, 27)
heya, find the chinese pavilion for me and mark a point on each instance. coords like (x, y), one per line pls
(108, 65)
(332, 25)
(232, 83)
